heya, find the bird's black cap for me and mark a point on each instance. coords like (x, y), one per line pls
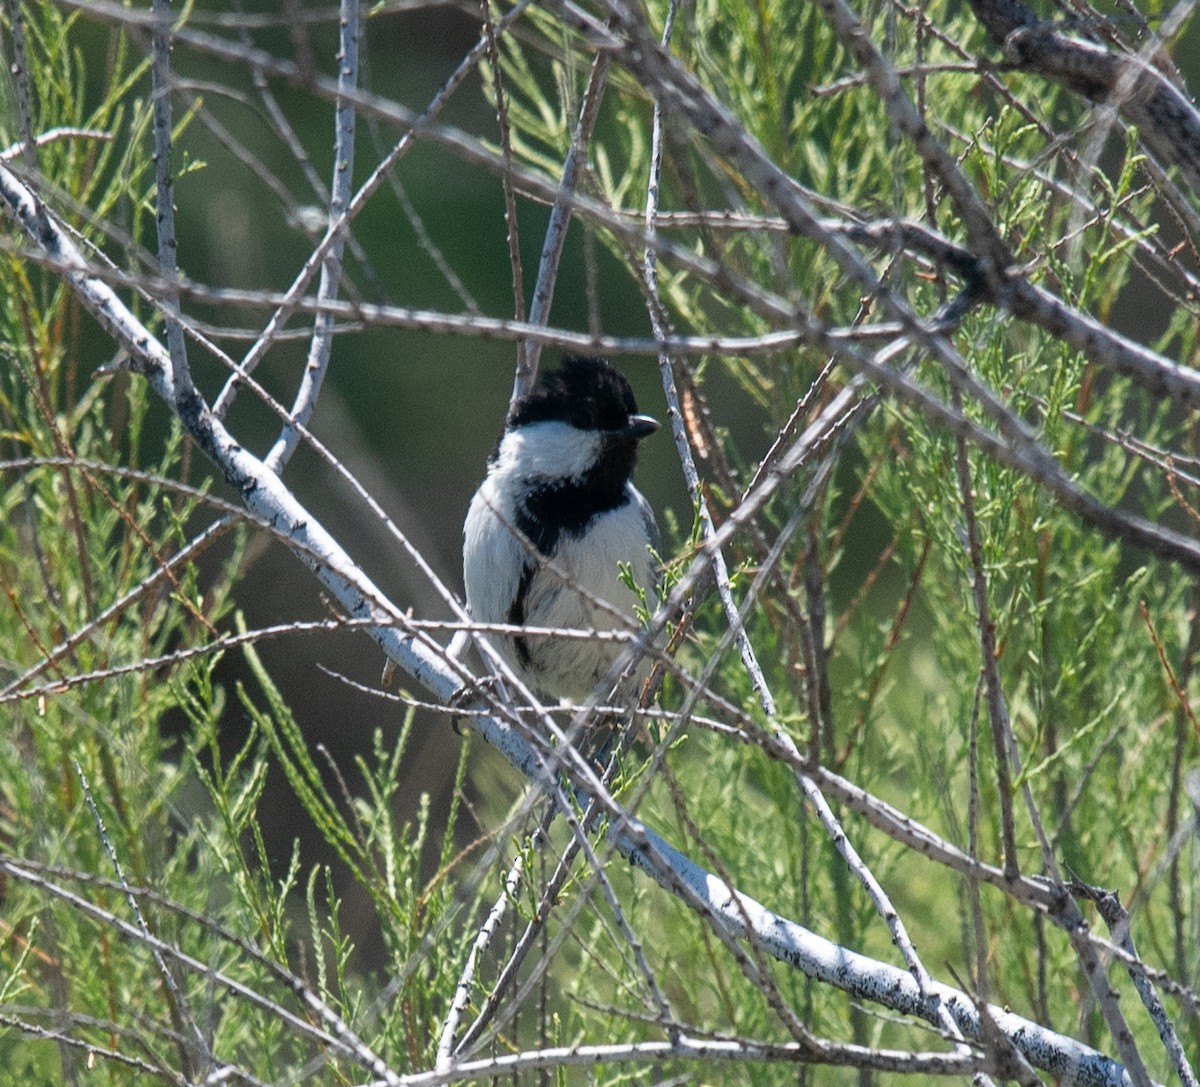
(588, 394)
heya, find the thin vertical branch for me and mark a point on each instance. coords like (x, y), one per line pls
(195, 1054)
(19, 70)
(997, 709)
(168, 256)
(1175, 793)
(39, 388)
(1117, 919)
(560, 219)
(483, 939)
(973, 808)
(511, 219)
(691, 477)
(817, 691)
(340, 189)
(291, 139)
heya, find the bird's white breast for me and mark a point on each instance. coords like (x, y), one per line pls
(495, 559)
(493, 556)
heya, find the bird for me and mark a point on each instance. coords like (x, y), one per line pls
(555, 517)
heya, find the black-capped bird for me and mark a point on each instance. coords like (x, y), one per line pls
(559, 488)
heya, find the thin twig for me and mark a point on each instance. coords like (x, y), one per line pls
(659, 324)
(52, 135)
(1117, 919)
(168, 256)
(1001, 726)
(560, 219)
(194, 1052)
(19, 71)
(466, 980)
(331, 264)
(511, 219)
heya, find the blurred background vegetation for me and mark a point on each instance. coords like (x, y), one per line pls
(216, 776)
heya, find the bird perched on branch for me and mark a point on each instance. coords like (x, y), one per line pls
(553, 521)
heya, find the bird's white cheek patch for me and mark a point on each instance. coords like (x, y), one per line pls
(550, 449)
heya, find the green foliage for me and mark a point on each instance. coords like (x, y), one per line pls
(95, 505)
(1079, 622)
(1092, 640)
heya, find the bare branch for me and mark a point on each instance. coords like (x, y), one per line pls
(331, 266)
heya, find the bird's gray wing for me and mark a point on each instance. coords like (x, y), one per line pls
(648, 519)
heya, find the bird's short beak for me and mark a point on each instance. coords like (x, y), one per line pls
(641, 426)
